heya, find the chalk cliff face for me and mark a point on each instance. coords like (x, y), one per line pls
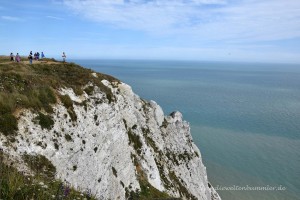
(115, 146)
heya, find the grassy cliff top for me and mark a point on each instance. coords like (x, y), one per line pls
(35, 86)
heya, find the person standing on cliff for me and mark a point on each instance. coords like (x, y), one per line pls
(42, 55)
(11, 57)
(30, 58)
(64, 57)
(18, 57)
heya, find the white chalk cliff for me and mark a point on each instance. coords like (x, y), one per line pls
(115, 145)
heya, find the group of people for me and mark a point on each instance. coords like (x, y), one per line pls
(14, 58)
(35, 56)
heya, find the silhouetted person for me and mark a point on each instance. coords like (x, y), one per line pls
(64, 57)
(11, 57)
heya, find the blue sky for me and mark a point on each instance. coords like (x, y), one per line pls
(211, 30)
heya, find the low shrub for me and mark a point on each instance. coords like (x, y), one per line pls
(68, 137)
(40, 165)
(45, 121)
(8, 124)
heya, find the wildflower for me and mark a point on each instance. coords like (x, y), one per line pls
(67, 191)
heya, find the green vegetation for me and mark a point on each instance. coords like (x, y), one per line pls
(135, 141)
(35, 87)
(74, 167)
(150, 192)
(95, 149)
(150, 142)
(89, 90)
(40, 165)
(56, 146)
(95, 117)
(125, 123)
(147, 190)
(182, 189)
(68, 137)
(45, 121)
(186, 156)
(134, 127)
(165, 180)
(15, 185)
(8, 124)
(68, 103)
(165, 123)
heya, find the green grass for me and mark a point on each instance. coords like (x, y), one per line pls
(15, 185)
(35, 87)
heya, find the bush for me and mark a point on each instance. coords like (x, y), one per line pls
(8, 124)
(68, 137)
(45, 121)
(40, 164)
(89, 90)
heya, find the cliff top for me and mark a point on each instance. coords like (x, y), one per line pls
(35, 86)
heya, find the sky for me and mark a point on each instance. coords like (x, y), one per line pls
(207, 30)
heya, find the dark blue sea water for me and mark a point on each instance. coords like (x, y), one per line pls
(244, 117)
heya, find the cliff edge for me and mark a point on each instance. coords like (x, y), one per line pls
(96, 134)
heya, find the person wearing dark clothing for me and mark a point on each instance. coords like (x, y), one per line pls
(11, 57)
(64, 57)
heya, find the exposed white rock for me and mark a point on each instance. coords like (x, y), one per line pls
(113, 143)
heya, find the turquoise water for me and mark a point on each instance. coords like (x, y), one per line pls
(245, 118)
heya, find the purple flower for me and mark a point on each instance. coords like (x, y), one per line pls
(67, 191)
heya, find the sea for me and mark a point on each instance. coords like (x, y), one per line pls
(244, 117)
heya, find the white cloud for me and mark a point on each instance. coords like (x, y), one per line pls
(53, 17)
(10, 18)
(200, 19)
